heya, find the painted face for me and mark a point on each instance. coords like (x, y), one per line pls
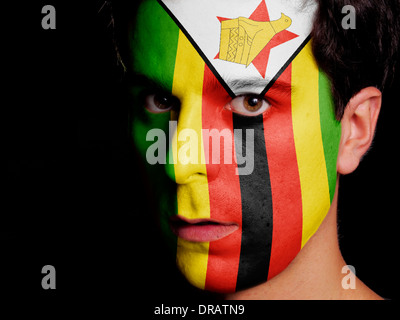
(237, 210)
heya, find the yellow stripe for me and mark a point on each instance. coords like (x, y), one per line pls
(192, 192)
(308, 142)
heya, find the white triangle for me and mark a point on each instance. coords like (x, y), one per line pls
(198, 19)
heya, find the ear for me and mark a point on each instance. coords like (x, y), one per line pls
(358, 128)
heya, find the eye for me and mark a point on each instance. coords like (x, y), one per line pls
(159, 103)
(248, 105)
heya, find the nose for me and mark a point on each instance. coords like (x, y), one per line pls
(187, 144)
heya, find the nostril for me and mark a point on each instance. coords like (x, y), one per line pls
(189, 175)
(212, 171)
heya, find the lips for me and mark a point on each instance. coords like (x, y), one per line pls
(201, 230)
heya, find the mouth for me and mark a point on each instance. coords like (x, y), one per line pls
(201, 230)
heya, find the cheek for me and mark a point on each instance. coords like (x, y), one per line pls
(150, 134)
(265, 200)
(143, 123)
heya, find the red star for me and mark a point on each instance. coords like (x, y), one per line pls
(261, 61)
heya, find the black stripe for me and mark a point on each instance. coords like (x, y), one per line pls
(256, 197)
(270, 84)
(199, 51)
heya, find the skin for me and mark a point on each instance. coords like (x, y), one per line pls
(306, 277)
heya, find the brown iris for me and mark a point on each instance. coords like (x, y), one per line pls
(252, 102)
(164, 102)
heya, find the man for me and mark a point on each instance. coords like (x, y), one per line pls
(246, 113)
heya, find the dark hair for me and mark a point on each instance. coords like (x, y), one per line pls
(352, 58)
(356, 58)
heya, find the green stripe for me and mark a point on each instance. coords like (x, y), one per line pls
(331, 130)
(156, 61)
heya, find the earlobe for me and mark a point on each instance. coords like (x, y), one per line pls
(358, 128)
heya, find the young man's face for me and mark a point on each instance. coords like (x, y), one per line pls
(238, 210)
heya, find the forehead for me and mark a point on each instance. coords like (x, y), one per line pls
(244, 43)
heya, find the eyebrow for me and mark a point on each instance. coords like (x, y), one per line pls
(135, 79)
(139, 79)
(258, 83)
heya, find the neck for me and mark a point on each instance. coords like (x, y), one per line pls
(315, 273)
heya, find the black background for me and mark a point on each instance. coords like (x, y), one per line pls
(74, 197)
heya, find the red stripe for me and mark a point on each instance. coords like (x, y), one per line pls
(284, 177)
(224, 191)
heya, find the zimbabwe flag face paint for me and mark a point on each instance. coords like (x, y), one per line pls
(240, 141)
